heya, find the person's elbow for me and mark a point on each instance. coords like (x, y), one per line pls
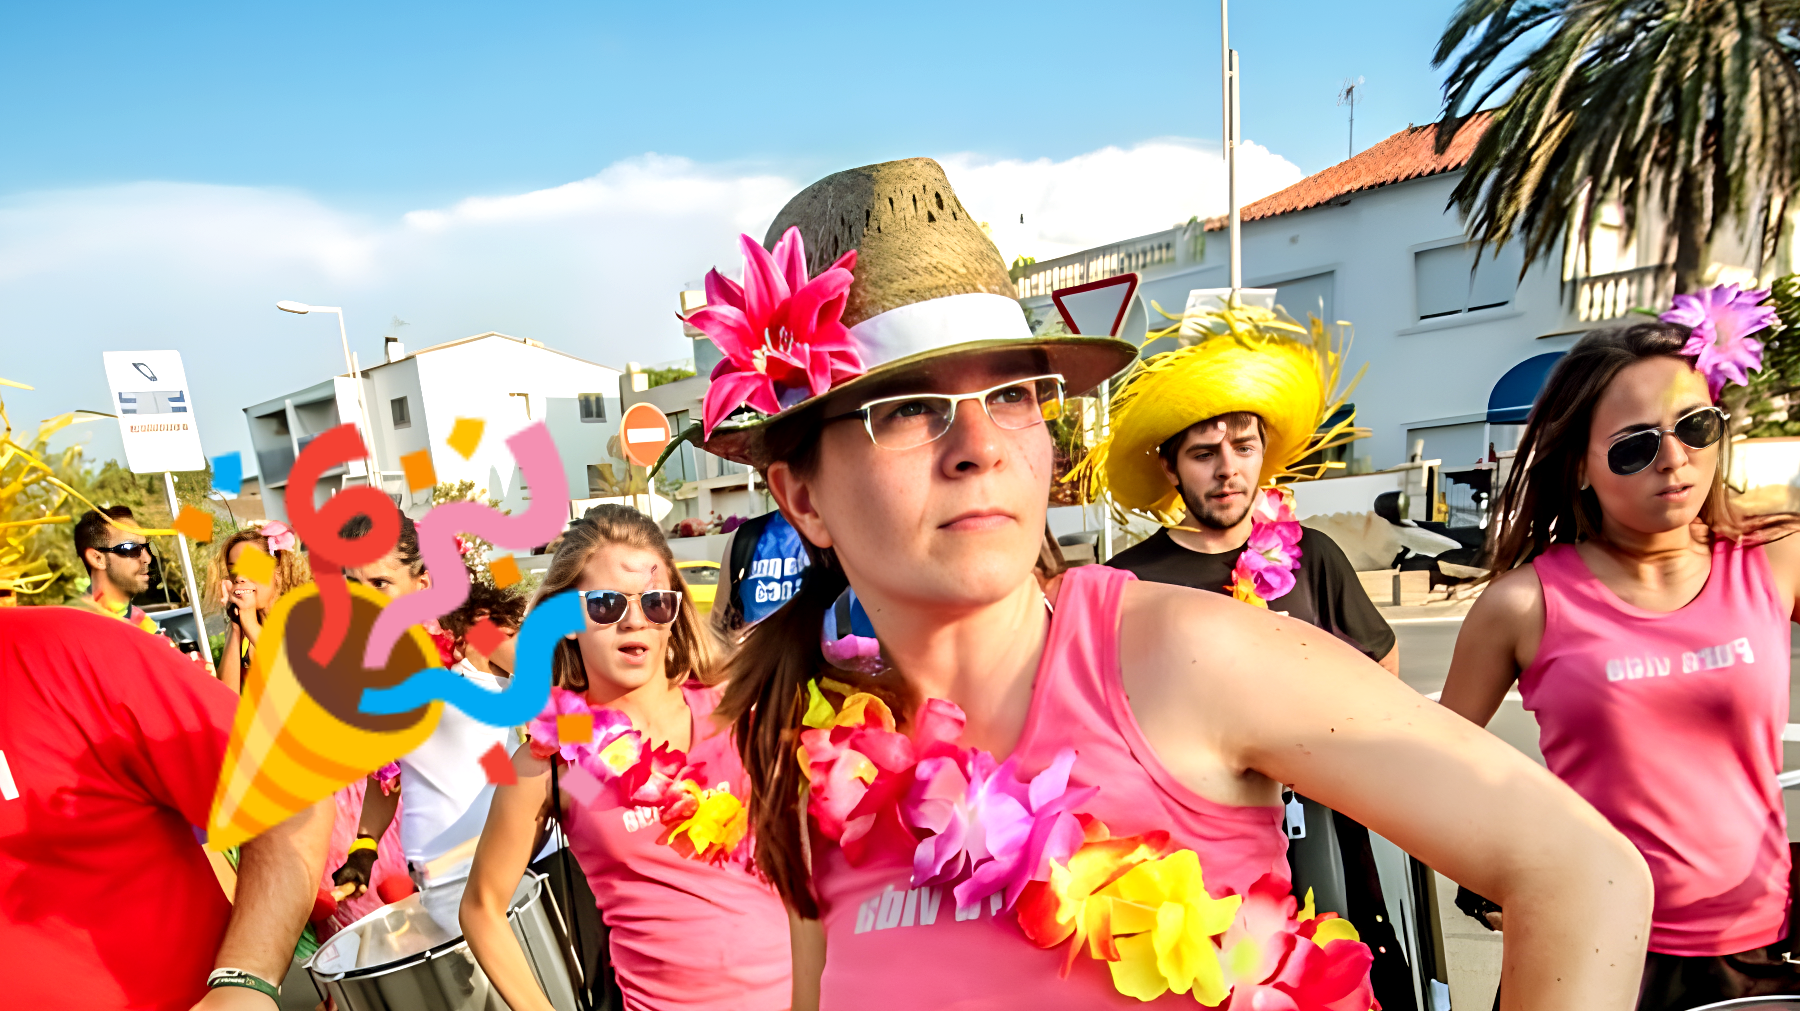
(1590, 863)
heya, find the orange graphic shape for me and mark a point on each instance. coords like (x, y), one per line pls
(254, 564)
(420, 474)
(575, 728)
(505, 571)
(194, 524)
(465, 435)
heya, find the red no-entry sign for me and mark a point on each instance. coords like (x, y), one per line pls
(644, 431)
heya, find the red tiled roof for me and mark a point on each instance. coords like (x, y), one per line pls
(1409, 154)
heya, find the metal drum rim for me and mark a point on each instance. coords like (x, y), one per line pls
(535, 885)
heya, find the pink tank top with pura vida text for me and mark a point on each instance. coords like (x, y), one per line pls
(893, 946)
(685, 933)
(1670, 725)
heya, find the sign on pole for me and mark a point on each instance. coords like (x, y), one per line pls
(645, 432)
(156, 413)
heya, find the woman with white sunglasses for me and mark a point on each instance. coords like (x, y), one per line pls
(1645, 622)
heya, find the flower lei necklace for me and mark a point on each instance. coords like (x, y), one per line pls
(701, 823)
(1137, 903)
(1265, 569)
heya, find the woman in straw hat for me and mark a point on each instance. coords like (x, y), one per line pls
(989, 805)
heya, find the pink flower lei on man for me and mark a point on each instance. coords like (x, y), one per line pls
(1722, 319)
(1265, 569)
(782, 334)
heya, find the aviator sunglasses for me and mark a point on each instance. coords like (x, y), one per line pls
(914, 419)
(1631, 453)
(125, 549)
(607, 607)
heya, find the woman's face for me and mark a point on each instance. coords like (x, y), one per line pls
(1668, 494)
(949, 525)
(624, 656)
(247, 592)
(389, 576)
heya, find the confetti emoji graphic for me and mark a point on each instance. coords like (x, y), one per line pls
(420, 474)
(498, 767)
(254, 564)
(465, 435)
(319, 527)
(485, 636)
(194, 524)
(298, 735)
(505, 570)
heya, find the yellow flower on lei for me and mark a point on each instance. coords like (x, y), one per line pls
(1163, 923)
(718, 824)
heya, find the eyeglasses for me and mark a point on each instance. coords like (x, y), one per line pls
(125, 549)
(1699, 429)
(914, 419)
(607, 607)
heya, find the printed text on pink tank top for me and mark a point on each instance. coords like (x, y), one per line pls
(1634, 668)
(907, 907)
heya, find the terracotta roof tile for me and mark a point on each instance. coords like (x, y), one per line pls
(1409, 154)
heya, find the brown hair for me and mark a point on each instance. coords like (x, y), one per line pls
(1543, 502)
(1235, 422)
(693, 647)
(766, 690)
(503, 607)
(291, 568)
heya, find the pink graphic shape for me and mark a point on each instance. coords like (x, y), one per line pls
(542, 472)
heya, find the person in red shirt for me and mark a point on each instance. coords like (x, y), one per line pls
(110, 749)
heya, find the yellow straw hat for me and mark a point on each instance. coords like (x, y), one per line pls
(1247, 359)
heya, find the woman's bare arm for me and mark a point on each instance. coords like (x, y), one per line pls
(1499, 637)
(1260, 699)
(807, 939)
(501, 858)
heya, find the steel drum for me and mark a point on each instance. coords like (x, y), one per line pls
(408, 957)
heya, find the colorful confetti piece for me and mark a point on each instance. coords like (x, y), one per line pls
(228, 472)
(420, 474)
(194, 524)
(498, 766)
(579, 784)
(575, 728)
(485, 636)
(505, 571)
(254, 564)
(465, 435)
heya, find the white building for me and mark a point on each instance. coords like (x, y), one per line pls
(413, 401)
(1372, 241)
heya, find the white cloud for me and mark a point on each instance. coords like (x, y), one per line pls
(1107, 195)
(590, 267)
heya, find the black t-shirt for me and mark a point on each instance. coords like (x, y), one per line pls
(1326, 591)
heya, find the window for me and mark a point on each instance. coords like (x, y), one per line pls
(1307, 296)
(523, 403)
(402, 417)
(1449, 280)
(593, 406)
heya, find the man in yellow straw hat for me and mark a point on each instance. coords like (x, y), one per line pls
(1200, 438)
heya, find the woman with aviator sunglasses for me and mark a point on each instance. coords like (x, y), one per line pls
(1646, 623)
(650, 789)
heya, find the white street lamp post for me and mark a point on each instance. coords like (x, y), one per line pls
(362, 410)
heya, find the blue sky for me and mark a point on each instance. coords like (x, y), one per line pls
(560, 170)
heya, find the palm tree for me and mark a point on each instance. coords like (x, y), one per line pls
(1691, 106)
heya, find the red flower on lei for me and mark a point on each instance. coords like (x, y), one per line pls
(1265, 569)
(703, 823)
(1136, 903)
(782, 334)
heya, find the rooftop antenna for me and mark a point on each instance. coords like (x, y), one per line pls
(1347, 96)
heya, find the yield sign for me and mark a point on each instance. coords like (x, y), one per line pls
(1097, 308)
(646, 432)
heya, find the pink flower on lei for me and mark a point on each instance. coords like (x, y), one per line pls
(860, 767)
(781, 333)
(1723, 317)
(988, 828)
(1275, 960)
(1266, 566)
(613, 749)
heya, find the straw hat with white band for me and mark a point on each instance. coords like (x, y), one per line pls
(927, 287)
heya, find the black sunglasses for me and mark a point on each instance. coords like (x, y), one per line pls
(607, 607)
(1629, 454)
(125, 549)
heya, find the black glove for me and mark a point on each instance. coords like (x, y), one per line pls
(357, 868)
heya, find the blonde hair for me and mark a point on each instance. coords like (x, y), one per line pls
(291, 569)
(694, 650)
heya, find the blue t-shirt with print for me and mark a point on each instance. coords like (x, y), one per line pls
(776, 568)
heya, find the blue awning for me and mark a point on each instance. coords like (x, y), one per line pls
(1512, 397)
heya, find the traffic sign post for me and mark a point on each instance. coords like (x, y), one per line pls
(643, 433)
(156, 423)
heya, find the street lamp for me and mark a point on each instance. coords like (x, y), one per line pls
(362, 410)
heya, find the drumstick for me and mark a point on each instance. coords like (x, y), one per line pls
(342, 892)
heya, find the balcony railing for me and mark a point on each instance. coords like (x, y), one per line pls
(1098, 264)
(1609, 296)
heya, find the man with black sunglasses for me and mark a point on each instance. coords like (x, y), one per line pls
(118, 565)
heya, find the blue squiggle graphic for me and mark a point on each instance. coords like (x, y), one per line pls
(521, 701)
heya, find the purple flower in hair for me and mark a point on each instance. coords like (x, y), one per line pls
(1722, 318)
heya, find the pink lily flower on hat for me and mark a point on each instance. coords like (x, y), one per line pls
(782, 334)
(1723, 317)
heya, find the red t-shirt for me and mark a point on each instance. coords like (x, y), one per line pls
(113, 742)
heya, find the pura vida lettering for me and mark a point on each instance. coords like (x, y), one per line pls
(774, 579)
(1636, 668)
(907, 907)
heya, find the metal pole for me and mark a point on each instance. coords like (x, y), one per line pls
(1231, 194)
(187, 569)
(362, 410)
(1106, 531)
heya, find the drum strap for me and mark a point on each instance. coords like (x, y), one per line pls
(584, 994)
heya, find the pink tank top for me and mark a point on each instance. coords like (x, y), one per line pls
(898, 947)
(1670, 725)
(685, 933)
